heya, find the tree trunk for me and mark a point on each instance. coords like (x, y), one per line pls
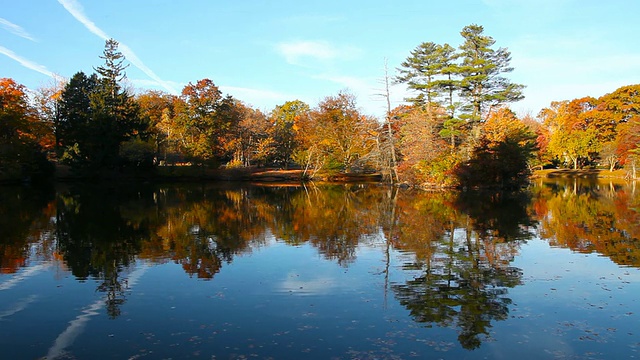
(387, 95)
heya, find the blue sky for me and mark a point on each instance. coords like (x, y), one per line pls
(268, 52)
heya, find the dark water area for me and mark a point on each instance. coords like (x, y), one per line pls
(355, 271)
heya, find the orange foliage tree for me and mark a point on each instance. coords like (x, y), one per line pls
(501, 157)
(21, 131)
(340, 132)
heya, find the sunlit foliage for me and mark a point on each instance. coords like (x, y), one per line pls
(23, 138)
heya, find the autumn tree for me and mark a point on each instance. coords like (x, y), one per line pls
(592, 131)
(612, 119)
(342, 132)
(309, 153)
(198, 128)
(21, 154)
(423, 151)
(541, 155)
(501, 157)
(45, 102)
(613, 109)
(458, 90)
(286, 121)
(571, 139)
(628, 144)
(249, 133)
(157, 112)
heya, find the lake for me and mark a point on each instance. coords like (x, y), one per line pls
(349, 271)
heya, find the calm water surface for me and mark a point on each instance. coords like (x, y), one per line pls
(319, 272)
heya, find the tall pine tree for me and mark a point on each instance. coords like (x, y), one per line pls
(482, 84)
(97, 115)
(473, 76)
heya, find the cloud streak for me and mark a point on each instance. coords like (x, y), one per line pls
(15, 29)
(26, 63)
(76, 10)
(296, 51)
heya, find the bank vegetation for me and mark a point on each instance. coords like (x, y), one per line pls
(456, 130)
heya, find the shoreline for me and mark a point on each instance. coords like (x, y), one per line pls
(581, 173)
(64, 174)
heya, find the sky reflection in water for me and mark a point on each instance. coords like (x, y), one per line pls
(349, 272)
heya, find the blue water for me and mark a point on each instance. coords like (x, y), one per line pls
(274, 299)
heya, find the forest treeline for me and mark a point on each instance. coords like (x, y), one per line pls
(457, 129)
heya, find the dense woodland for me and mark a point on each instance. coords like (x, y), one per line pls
(457, 129)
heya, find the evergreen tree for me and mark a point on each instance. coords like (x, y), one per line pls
(112, 72)
(430, 71)
(97, 115)
(481, 69)
(74, 119)
(117, 113)
(473, 75)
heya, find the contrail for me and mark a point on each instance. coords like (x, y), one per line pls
(76, 10)
(26, 63)
(15, 29)
(25, 274)
(76, 326)
(21, 305)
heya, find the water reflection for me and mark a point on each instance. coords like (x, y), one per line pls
(589, 216)
(25, 228)
(463, 262)
(459, 246)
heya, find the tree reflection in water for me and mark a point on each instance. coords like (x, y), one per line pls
(461, 244)
(463, 260)
(588, 216)
(96, 241)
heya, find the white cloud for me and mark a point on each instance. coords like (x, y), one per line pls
(76, 10)
(296, 51)
(15, 29)
(26, 63)
(302, 287)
